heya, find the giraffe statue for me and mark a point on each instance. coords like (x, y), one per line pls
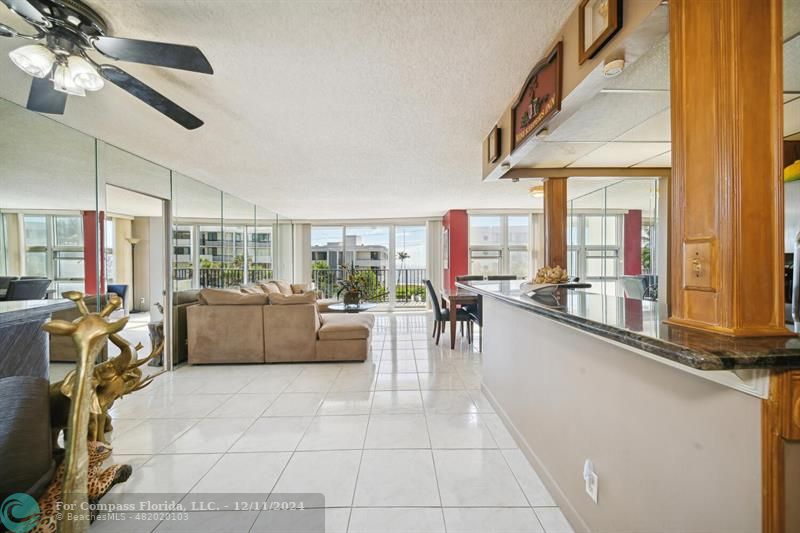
(89, 333)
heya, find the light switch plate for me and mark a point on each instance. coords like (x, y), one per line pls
(698, 264)
(591, 486)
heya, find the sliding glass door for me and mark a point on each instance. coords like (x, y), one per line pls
(390, 258)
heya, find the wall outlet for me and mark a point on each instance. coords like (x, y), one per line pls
(591, 480)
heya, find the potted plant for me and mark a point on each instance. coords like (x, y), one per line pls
(355, 287)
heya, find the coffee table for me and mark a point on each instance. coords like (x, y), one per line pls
(342, 308)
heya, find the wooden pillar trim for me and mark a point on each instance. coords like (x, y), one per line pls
(780, 422)
(555, 222)
(726, 247)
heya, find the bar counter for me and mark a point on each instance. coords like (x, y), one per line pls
(24, 346)
(590, 377)
(641, 324)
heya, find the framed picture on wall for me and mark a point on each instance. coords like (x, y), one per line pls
(493, 145)
(598, 21)
(446, 248)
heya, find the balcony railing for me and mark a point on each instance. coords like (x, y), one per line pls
(409, 284)
(219, 278)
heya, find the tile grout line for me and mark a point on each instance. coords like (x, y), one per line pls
(363, 444)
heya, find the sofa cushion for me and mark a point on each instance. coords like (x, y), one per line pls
(283, 286)
(324, 304)
(185, 297)
(336, 326)
(252, 289)
(269, 287)
(299, 288)
(230, 297)
(292, 299)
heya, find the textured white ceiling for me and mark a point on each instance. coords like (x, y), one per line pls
(325, 109)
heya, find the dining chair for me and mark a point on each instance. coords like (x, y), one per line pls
(27, 289)
(470, 277)
(442, 316)
(120, 290)
(5, 280)
(502, 277)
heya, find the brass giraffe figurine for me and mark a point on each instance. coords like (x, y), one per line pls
(89, 333)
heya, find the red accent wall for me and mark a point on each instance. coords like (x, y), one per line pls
(632, 231)
(90, 261)
(456, 221)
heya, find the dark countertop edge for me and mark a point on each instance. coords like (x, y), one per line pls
(45, 310)
(693, 358)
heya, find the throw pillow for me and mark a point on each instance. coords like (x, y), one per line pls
(269, 287)
(283, 286)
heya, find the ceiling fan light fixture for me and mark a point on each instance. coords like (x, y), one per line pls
(35, 59)
(62, 81)
(84, 75)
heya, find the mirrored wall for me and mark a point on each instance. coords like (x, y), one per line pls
(92, 217)
(616, 238)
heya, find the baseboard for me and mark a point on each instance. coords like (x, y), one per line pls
(558, 495)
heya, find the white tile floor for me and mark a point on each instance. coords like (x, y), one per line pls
(404, 442)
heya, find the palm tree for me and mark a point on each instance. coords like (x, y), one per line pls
(402, 256)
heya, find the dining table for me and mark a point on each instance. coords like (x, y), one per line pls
(454, 298)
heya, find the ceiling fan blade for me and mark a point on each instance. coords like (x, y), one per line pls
(152, 53)
(149, 96)
(26, 10)
(44, 99)
(5, 31)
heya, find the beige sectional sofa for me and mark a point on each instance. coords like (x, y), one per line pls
(272, 322)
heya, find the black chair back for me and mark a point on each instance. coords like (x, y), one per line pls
(437, 308)
(471, 277)
(5, 280)
(27, 289)
(120, 289)
(503, 277)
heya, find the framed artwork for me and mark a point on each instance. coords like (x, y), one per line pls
(539, 100)
(494, 145)
(598, 21)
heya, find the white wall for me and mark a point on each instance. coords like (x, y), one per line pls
(149, 264)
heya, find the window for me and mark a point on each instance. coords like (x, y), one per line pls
(391, 258)
(54, 249)
(500, 244)
(594, 244)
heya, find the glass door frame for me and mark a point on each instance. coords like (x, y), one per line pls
(391, 281)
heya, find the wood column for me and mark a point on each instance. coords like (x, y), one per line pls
(726, 244)
(780, 425)
(555, 222)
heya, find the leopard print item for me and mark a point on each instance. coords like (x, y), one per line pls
(100, 482)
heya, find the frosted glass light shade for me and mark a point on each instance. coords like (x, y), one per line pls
(62, 81)
(83, 75)
(34, 59)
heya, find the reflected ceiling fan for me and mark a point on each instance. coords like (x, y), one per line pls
(61, 66)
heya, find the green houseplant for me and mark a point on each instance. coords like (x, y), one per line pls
(358, 286)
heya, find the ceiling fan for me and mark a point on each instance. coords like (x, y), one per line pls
(61, 66)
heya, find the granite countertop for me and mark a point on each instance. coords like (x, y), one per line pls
(23, 309)
(640, 324)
